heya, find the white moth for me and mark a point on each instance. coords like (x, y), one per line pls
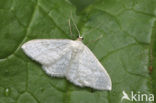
(70, 59)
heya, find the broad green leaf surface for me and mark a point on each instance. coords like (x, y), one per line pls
(118, 32)
(153, 58)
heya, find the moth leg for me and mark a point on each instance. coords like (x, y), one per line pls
(94, 40)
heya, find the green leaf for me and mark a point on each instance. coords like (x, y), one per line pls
(153, 58)
(118, 32)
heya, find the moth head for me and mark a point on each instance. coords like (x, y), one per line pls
(80, 38)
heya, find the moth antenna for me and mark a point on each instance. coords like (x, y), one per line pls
(75, 25)
(70, 27)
